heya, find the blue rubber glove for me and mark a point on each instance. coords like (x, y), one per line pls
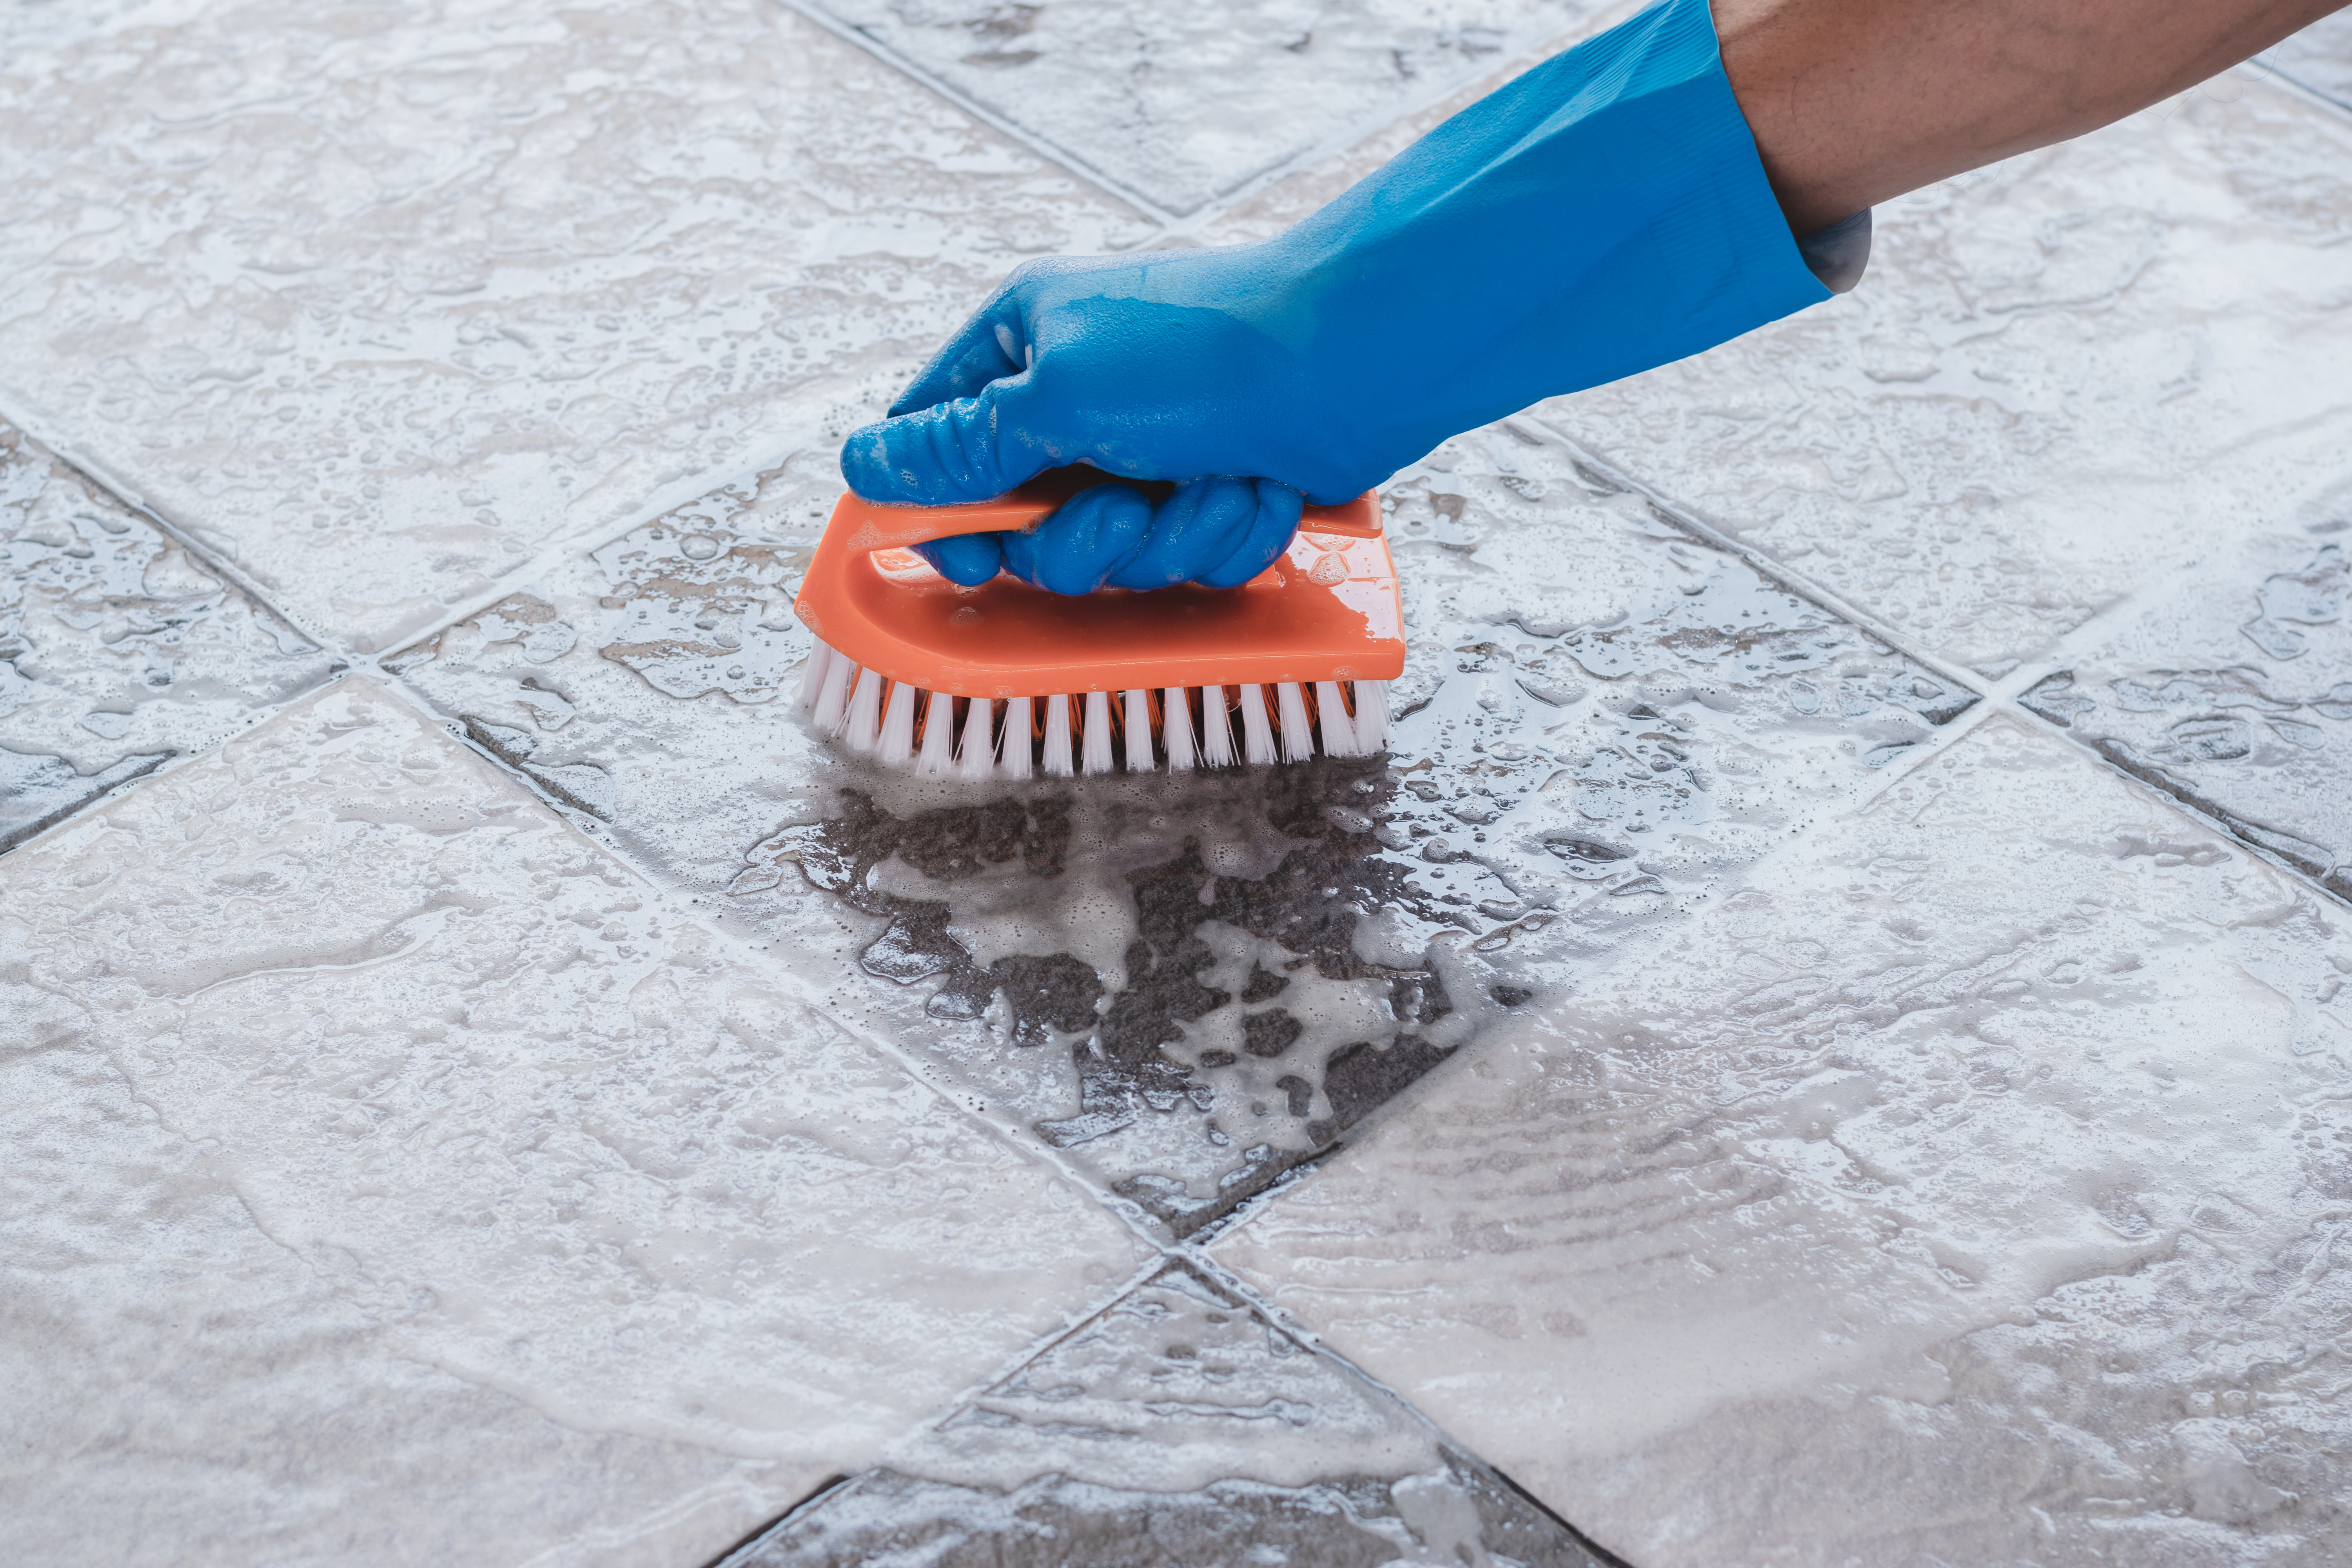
(1602, 214)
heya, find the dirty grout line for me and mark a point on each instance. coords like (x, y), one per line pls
(689, 902)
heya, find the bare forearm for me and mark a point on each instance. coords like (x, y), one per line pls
(1854, 101)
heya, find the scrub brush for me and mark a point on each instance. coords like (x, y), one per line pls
(1007, 680)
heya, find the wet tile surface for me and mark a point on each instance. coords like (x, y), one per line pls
(1968, 1186)
(1767, 1127)
(380, 312)
(1185, 104)
(396, 1177)
(2238, 703)
(1177, 1427)
(2060, 382)
(1191, 984)
(2318, 57)
(118, 650)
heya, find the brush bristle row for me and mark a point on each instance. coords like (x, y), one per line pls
(1177, 727)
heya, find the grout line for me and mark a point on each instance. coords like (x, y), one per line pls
(1057, 156)
(1226, 1278)
(715, 918)
(1993, 696)
(2295, 86)
(576, 547)
(99, 476)
(1353, 136)
(1787, 576)
(2210, 820)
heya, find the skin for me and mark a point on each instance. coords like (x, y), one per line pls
(1854, 102)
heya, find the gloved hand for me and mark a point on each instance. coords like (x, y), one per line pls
(1604, 213)
(1218, 532)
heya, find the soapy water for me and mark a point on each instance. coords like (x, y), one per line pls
(118, 650)
(389, 308)
(1190, 985)
(1177, 1427)
(2067, 380)
(2236, 704)
(1185, 104)
(1969, 1185)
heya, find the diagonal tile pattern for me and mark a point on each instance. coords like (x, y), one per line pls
(1967, 1187)
(1183, 105)
(2239, 704)
(2069, 379)
(1772, 1108)
(1192, 986)
(1177, 1426)
(378, 314)
(118, 649)
(499, 1178)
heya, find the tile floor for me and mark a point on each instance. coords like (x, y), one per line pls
(1823, 1042)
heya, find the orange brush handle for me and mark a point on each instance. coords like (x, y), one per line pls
(897, 527)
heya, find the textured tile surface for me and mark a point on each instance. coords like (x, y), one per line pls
(378, 304)
(118, 650)
(1192, 983)
(1184, 103)
(1177, 1427)
(396, 1179)
(2319, 57)
(1970, 1186)
(2238, 702)
(2063, 379)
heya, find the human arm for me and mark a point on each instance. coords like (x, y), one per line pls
(1854, 102)
(1629, 202)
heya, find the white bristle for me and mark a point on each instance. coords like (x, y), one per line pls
(1331, 718)
(1095, 741)
(939, 735)
(1057, 737)
(1371, 718)
(1139, 756)
(1297, 735)
(832, 702)
(905, 727)
(1014, 757)
(1217, 728)
(813, 673)
(863, 726)
(1176, 728)
(898, 745)
(976, 755)
(1257, 734)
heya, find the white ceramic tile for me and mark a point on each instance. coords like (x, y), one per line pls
(2063, 379)
(396, 1179)
(118, 651)
(1970, 1186)
(1181, 1416)
(1182, 104)
(1599, 719)
(2234, 693)
(2318, 57)
(378, 304)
